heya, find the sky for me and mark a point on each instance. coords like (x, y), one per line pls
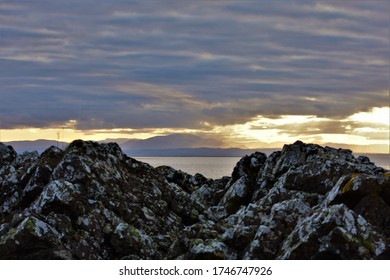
(248, 73)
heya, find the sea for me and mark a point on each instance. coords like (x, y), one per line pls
(217, 167)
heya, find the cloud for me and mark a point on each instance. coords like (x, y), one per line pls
(334, 127)
(148, 64)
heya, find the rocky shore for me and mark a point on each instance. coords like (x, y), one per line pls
(91, 201)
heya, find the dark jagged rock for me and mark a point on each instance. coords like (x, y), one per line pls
(367, 195)
(335, 232)
(7, 154)
(91, 201)
(241, 186)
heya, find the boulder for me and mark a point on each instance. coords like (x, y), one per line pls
(367, 195)
(210, 250)
(335, 232)
(7, 154)
(240, 188)
(32, 238)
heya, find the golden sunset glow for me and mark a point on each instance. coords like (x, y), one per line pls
(259, 133)
(376, 116)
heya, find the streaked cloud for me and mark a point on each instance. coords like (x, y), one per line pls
(202, 67)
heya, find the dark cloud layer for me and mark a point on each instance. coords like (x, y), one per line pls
(145, 64)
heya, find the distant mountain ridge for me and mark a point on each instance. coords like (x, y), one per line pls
(36, 145)
(172, 141)
(196, 152)
(169, 145)
(173, 145)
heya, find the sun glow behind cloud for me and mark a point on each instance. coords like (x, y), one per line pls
(363, 128)
(250, 75)
(261, 132)
(376, 116)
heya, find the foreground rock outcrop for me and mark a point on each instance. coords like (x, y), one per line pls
(91, 201)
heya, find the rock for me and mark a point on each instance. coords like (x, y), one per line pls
(60, 197)
(217, 213)
(30, 239)
(238, 194)
(367, 195)
(211, 250)
(86, 192)
(314, 169)
(240, 188)
(91, 201)
(126, 238)
(269, 236)
(333, 233)
(178, 177)
(248, 166)
(7, 154)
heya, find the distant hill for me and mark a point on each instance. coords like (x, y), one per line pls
(173, 141)
(177, 145)
(195, 152)
(37, 145)
(182, 145)
(156, 146)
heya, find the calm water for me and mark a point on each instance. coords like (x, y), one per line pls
(210, 167)
(217, 167)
